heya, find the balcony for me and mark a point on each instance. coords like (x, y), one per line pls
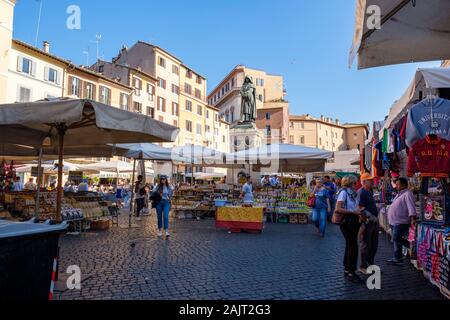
(192, 95)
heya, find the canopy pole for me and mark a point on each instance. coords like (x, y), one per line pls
(132, 194)
(192, 177)
(39, 182)
(59, 189)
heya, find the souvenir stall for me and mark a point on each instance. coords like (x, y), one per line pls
(280, 204)
(415, 143)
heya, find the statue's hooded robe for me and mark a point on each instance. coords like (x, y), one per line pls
(248, 105)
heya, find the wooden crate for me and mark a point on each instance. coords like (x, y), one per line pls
(100, 225)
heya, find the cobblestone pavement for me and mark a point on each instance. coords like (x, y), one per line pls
(200, 262)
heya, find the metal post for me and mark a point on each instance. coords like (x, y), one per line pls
(132, 194)
(59, 189)
(39, 182)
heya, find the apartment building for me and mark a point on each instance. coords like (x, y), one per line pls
(270, 94)
(326, 133)
(6, 31)
(142, 99)
(163, 66)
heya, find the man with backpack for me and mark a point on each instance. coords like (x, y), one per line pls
(139, 190)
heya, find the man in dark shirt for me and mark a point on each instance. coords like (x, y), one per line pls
(368, 235)
(331, 187)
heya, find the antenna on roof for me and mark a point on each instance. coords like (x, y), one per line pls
(38, 23)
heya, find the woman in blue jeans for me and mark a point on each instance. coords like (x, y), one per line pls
(322, 207)
(163, 205)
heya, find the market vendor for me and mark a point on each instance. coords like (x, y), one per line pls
(265, 181)
(247, 192)
(30, 185)
(83, 186)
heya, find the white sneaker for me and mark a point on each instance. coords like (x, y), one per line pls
(160, 233)
(167, 234)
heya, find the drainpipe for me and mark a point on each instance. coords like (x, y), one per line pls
(70, 66)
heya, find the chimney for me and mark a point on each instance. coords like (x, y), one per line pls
(46, 47)
(321, 118)
(337, 122)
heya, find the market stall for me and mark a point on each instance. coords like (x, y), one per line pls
(238, 218)
(69, 122)
(414, 143)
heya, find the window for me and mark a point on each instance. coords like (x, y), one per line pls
(207, 114)
(291, 139)
(267, 115)
(124, 98)
(161, 104)
(223, 91)
(24, 95)
(233, 82)
(161, 83)
(227, 116)
(175, 109)
(216, 131)
(188, 125)
(75, 87)
(137, 107)
(207, 129)
(175, 89)
(261, 98)
(232, 115)
(199, 128)
(199, 80)
(162, 62)
(302, 125)
(216, 117)
(268, 130)
(51, 75)
(198, 94)
(151, 112)
(89, 91)
(187, 88)
(105, 95)
(189, 74)
(199, 110)
(137, 83)
(27, 66)
(223, 139)
(302, 139)
(150, 89)
(188, 105)
(175, 70)
(355, 136)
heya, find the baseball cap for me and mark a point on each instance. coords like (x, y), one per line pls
(366, 176)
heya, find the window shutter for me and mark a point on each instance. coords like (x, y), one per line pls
(94, 92)
(80, 89)
(33, 68)
(69, 85)
(58, 78)
(19, 63)
(46, 73)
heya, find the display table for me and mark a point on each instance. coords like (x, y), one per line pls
(238, 219)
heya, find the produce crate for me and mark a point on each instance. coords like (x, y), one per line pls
(100, 225)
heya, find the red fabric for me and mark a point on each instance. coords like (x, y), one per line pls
(430, 157)
(403, 129)
(239, 225)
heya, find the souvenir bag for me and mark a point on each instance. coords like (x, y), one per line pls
(311, 202)
(436, 259)
(423, 246)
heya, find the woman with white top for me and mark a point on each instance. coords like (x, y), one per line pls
(347, 206)
(161, 196)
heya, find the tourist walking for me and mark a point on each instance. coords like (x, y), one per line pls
(370, 228)
(139, 190)
(161, 197)
(331, 188)
(349, 213)
(322, 207)
(401, 214)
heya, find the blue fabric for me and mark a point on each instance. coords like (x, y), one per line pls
(163, 208)
(321, 199)
(331, 185)
(366, 200)
(319, 217)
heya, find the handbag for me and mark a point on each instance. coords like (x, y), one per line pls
(311, 202)
(339, 218)
(155, 197)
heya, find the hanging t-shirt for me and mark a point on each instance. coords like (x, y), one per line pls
(430, 116)
(430, 157)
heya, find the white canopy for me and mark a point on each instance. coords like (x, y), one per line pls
(51, 168)
(199, 155)
(411, 31)
(109, 166)
(431, 78)
(284, 158)
(149, 151)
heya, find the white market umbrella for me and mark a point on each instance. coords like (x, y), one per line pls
(71, 122)
(410, 31)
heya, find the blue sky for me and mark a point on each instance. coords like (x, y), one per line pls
(306, 41)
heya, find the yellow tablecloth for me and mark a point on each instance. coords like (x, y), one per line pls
(240, 214)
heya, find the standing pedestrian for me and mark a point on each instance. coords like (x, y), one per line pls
(331, 188)
(161, 197)
(401, 214)
(247, 192)
(321, 208)
(18, 186)
(346, 206)
(369, 231)
(139, 190)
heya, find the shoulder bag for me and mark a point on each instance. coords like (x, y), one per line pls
(339, 218)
